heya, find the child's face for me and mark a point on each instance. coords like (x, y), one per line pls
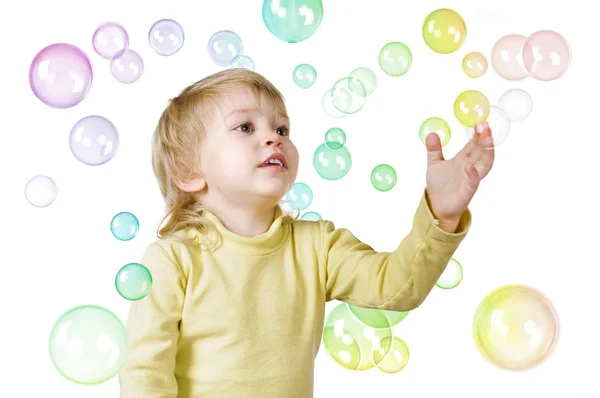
(243, 135)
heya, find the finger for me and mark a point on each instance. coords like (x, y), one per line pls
(434, 148)
(472, 174)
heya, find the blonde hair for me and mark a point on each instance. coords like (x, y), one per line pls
(177, 139)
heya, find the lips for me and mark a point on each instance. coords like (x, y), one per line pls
(275, 160)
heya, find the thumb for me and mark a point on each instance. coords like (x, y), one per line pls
(434, 148)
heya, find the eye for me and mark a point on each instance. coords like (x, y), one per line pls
(245, 128)
(283, 130)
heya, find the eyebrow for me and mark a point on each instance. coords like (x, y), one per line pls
(253, 110)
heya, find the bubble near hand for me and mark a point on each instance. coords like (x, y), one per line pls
(516, 103)
(343, 325)
(515, 327)
(365, 77)
(292, 21)
(474, 64)
(507, 58)
(124, 226)
(311, 216)
(546, 55)
(471, 108)
(348, 95)
(304, 75)
(300, 195)
(384, 177)
(88, 345)
(393, 355)
(133, 281)
(225, 46)
(452, 275)
(435, 125)
(127, 66)
(332, 164)
(61, 75)
(444, 31)
(109, 39)
(335, 138)
(499, 126)
(166, 37)
(94, 140)
(395, 59)
(41, 191)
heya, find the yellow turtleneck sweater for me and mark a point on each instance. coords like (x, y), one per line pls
(246, 319)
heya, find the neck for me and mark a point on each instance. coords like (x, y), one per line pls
(244, 221)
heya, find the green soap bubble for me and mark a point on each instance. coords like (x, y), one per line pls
(292, 20)
(341, 347)
(335, 138)
(452, 275)
(133, 281)
(377, 318)
(393, 355)
(395, 317)
(88, 345)
(304, 75)
(328, 107)
(124, 226)
(384, 177)
(435, 125)
(395, 58)
(300, 195)
(311, 216)
(348, 95)
(342, 321)
(366, 77)
(332, 164)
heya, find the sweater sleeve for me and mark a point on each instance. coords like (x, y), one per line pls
(398, 280)
(153, 330)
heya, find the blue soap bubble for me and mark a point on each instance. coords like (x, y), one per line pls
(94, 140)
(300, 195)
(166, 37)
(243, 62)
(224, 47)
(124, 226)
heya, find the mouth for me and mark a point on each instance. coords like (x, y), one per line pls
(276, 161)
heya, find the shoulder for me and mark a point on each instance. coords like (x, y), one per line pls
(177, 252)
(312, 230)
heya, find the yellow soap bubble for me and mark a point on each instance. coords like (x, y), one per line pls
(515, 327)
(444, 31)
(342, 348)
(393, 355)
(471, 108)
(475, 64)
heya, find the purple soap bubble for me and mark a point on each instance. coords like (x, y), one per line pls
(109, 39)
(166, 37)
(94, 140)
(61, 75)
(127, 66)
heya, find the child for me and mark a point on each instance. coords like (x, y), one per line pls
(237, 304)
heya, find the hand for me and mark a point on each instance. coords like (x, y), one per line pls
(451, 184)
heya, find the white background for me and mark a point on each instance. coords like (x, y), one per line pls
(535, 218)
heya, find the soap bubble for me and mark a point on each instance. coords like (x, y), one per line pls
(366, 77)
(243, 61)
(383, 177)
(471, 108)
(300, 195)
(304, 75)
(332, 164)
(329, 108)
(335, 138)
(124, 226)
(60, 75)
(133, 281)
(451, 276)
(444, 31)
(392, 356)
(507, 58)
(348, 96)
(88, 345)
(376, 318)
(41, 191)
(341, 347)
(127, 66)
(109, 39)
(166, 37)
(395, 58)
(311, 216)
(516, 103)
(474, 64)
(94, 140)
(499, 125)
(546, 55)
(292, 21)
(225, 46)
(515, 327)
(435, 125)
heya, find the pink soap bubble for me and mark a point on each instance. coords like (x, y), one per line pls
(127, 66)
(61, 75)
(546, 55)
(109, 39)
(507, 59)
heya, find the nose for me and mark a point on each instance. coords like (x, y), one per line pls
(272, 139)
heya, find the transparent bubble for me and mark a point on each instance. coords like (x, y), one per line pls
(471, 108)
(88, 345)
(546, 55)
(451, 276)
(124, 226)
(507, 57)
(342, 348)
(376, 318)
(329, 108)
(348, 96)
(515, 327)
(304, 75)
(127, 66)
(133, 281)
(335, 138)
(499, 126)
(225, 46)
(475, 64)
(395, 58)
(243, 61)
(383, 177)
(444, 31)
(342, 322)
(311, 216)
(393, 355)
(94, 140)
(300, 195)
(366, 77)
(292, 21)
(435, 125)
(61, 75)
(516, 103)
(109, 39)
(166, 37)
(332, 164)
(41, 191)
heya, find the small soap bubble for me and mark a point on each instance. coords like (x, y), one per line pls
(224, 46)
(332, 164)
(475, 64)
(435, 125)
(348, 96)
(133, 281)
(311, 216)
(166, 37)
(124, 226)
(507, 57)
(328, 107)
(335, 138)
(304, 75)
(392, 356)
(377, 318)
(366, 77)
(451, 276)
(395, 58)
(94, 140)
(127, 66)
(41, 191)
(292, 21)
(243, 62)
(383, 177)
(444, 31)
(109, 39)
(300, 195)
(499, 125)
(516, 103)
(471, 108)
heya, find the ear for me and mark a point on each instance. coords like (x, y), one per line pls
(196, 184)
